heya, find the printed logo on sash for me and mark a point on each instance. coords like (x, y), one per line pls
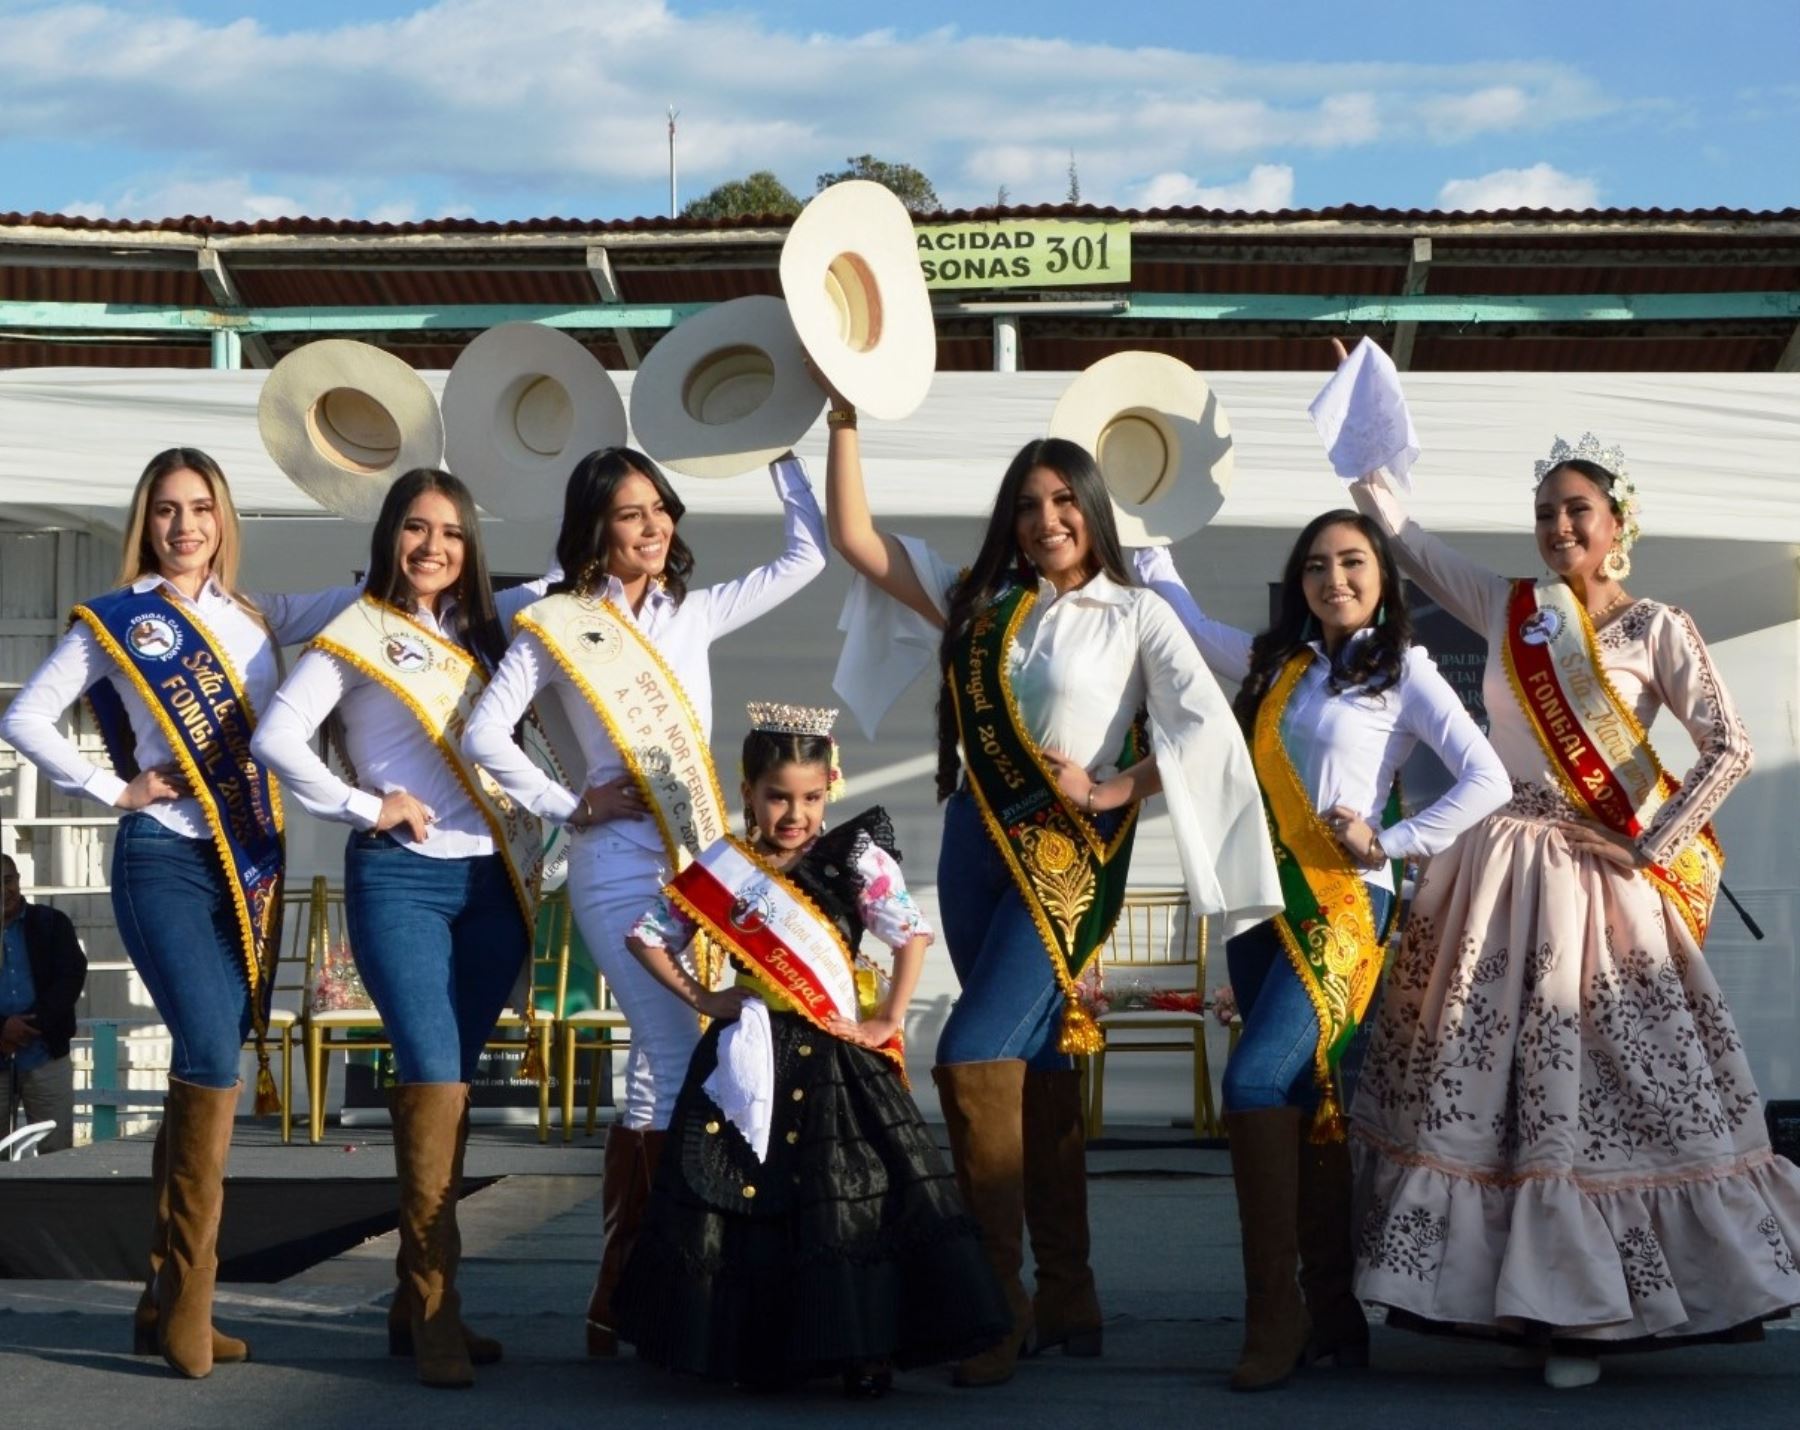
(1541, 627)
(406, 652)
(153, 638)
(599, 641)
(754, 908)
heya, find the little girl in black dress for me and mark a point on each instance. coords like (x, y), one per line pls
(802, 1222)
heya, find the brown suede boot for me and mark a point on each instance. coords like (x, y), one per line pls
(984, 1112)
(199, 1142)
(626, 1176)
(1265, 1153)
(483, 1350)
(1066, 1309)
(227, 1350)
(426, 1118)
(1340, 1331)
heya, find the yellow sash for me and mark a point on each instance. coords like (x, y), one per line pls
(440, 683)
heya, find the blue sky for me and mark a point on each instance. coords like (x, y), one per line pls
(403, 109)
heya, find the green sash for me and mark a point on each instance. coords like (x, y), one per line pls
(1327, 923)
(1071, 878)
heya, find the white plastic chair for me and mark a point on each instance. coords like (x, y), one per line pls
(24, 1142)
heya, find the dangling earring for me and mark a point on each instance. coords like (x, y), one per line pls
(590, 575)
(1381, 614)
(1617, 565)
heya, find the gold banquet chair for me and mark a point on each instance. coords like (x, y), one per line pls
(287, 1003)
(1159, 936)
(549, 980)
(592, 1026)
(330, 1030)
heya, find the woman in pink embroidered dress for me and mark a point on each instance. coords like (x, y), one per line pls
(1557, 1133)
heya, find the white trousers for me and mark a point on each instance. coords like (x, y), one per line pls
(612, 882)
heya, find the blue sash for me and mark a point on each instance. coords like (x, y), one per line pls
(181, 672)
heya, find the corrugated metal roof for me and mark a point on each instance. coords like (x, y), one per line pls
(203, 226)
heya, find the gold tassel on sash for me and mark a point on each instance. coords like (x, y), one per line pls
(268, 1098)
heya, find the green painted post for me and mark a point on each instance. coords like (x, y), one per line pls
(105, 1078)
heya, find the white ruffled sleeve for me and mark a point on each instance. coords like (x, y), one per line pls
(887, 909)
(1214, 804)
(887, 643)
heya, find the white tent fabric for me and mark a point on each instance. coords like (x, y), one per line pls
(1713, 453)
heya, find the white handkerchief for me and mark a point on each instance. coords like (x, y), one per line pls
(1361, 417)
(743, 1082)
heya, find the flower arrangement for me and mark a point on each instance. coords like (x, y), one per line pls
(336, 984)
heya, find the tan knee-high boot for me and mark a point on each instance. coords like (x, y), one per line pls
(227, 1350)
(626, 1176)
(984, 1112)
(427, 1116)
(1066, 1308)
(1327, 1258)
(1265, 1154)
(483, 1350)
(199, 1142)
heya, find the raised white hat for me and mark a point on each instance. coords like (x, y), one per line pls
(523, 404)
(850, 273)
(343, 419)
(1161, 438)
(725, 392)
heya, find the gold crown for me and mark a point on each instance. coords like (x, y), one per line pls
(776, 719)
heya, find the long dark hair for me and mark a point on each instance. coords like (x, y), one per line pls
(587, 502)
(1371, 665)
(475, 622)
(1000, 562)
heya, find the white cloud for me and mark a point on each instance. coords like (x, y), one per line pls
(1268, 186)
(500, 106)
(1539, 187)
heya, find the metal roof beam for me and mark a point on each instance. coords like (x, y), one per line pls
(255, 350)
(1418, 271)
(606, 284)
(1777, 306)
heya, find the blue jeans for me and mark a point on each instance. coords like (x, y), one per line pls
(439, 943)
(1010, 1006)
(1273, 1061)
(179, 924)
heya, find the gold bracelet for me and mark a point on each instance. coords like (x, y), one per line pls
(1090, 798)
(841, 417)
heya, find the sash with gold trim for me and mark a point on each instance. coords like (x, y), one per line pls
(776, 934)
(1596, 744)
(1070, 875)
(438, 683)
(1327, 923)
(197, 699)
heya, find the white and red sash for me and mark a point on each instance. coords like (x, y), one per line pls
(1595, 742)
(776, 934)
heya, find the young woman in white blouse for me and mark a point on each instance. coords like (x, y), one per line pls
(176, 663)
(1333, 697)
(648, 788)
(439, 880)
(1055, 658)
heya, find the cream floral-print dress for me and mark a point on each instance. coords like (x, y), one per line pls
(1556, 1123)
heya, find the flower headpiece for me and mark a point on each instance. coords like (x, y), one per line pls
(814, 720)
(1624, 490)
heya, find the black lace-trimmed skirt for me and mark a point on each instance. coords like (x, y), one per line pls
(849, 1245)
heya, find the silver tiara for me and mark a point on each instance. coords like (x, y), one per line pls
(1624, 489)
(1588, 449)
(791, 719)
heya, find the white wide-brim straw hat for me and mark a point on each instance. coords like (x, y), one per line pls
(344, 419)
(523, 404)
(1161, 438)
(850, 273)
(725, 392)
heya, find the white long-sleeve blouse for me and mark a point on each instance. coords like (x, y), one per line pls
(682, 634)
(1082, 666)
(385, 744)
(78, 663)
(1348, 745)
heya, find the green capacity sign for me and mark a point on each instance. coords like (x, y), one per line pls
(1024, 253)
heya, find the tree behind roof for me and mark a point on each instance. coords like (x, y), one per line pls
(760, 193)
(911, 187)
